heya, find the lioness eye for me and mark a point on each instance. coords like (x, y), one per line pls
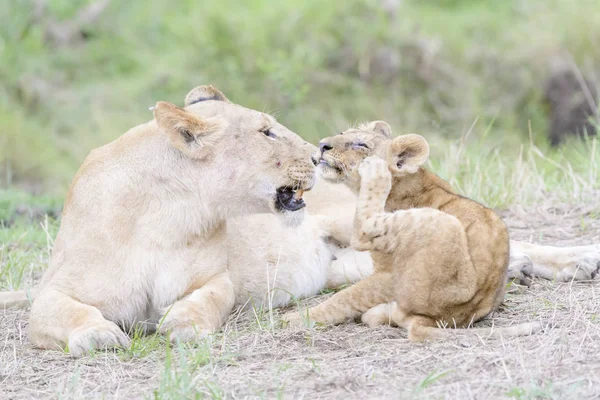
(269, 133)
(363, 145)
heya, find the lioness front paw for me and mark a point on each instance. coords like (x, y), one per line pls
(186, 332)
(180, 323)
(99, 335)
(375, 172)
(583, 265)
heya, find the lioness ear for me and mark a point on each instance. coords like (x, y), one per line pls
(379, 127)
(192, 135)
(204, 93)
(409, 152)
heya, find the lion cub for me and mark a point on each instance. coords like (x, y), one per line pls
(440, 259)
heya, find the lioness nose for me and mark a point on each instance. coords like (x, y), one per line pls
(324, 147)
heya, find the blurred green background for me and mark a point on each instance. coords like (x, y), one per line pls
(466, 74)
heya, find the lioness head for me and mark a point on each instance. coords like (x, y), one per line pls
(260, 165)
(340, 155)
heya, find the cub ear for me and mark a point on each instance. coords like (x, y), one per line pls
(379, 127)
(204, 93)
(409, 152)
(192, 135)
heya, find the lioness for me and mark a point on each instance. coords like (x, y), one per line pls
(143, 229)
(270, 263)
(439, 258)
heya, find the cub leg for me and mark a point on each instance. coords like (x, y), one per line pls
(348, 303)
(202, 312)
(370, 219)
(561, 263)
(57, 320)
(377, 230)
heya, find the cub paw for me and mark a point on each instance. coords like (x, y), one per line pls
(96, 336)
(378, 315)
(584, 265)
(294, 319)
(374, 170)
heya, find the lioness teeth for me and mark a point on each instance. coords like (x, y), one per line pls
(298, 194)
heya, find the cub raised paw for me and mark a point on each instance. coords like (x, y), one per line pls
(375, 174)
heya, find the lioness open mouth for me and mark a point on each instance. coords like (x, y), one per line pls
(289, 199)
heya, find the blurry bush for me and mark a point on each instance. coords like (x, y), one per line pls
(77, 73)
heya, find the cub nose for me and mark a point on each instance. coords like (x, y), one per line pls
(324, 147)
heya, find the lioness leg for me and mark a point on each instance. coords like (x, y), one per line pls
(348, 303)
(57, 320)
(349, 267)
(561, 263)
(202, 312)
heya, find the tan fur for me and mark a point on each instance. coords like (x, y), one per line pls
(143, 235)
(441, 257)
(270, 263)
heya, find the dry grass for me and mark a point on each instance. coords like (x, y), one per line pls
(254, 358)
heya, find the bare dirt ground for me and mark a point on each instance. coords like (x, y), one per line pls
(253, 358)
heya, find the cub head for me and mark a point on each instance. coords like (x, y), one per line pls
(339, 156)
(242, 157)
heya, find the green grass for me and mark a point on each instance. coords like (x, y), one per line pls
(182, 378)
(429, 380)
(542, 390)
(469, 80)
(26, 236)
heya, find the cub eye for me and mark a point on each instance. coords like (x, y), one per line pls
(268, 132)
(361, 145)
